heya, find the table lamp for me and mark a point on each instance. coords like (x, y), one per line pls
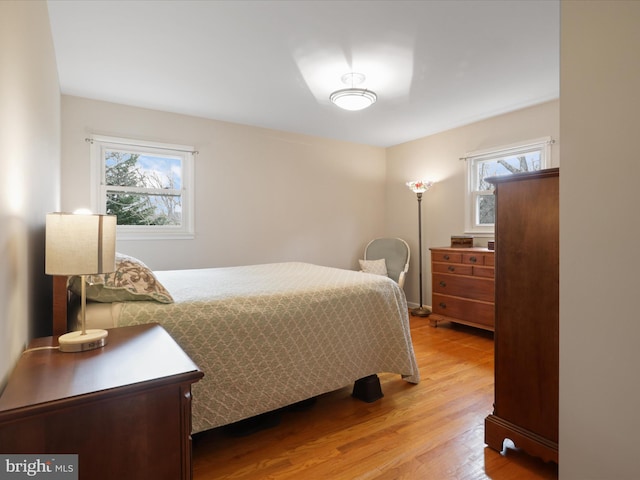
(80, 244)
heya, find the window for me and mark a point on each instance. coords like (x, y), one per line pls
(524, 157)
(148, 186)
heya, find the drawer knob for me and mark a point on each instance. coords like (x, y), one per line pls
(473, 259)
(443, 283)
(451, 268)
(442, 305)
(447, 257)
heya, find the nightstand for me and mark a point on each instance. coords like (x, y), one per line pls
(125, 409)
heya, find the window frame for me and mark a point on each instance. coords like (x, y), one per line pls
(99, 189)
(473, 159)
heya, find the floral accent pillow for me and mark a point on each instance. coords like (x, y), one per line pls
(379, 267)
(132, 281)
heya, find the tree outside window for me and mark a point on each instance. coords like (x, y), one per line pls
(143, 189)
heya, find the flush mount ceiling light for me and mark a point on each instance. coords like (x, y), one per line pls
(353, 98)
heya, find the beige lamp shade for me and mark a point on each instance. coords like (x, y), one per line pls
(79, 244)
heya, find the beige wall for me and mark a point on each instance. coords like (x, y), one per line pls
(30, 166)
(599, 220)
(267, 196)
(436, 158)
(261, 195)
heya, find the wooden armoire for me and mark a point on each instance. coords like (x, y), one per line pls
(526, 314)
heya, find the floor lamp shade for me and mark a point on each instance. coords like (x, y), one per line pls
(78, 244)
(420, 186)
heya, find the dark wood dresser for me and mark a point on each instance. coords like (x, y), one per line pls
(124, 409)
(527, 314)
(462, 286)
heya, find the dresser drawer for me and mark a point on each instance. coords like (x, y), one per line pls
(463, 309)
(487, 272)
(453, 268)
(460, 269)
(462, 286)
(473, 258)
(447, 257)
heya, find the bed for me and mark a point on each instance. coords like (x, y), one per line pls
(268, 336)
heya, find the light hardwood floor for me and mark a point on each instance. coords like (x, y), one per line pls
(433, 430)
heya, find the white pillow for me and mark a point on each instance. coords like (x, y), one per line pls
(379, 267)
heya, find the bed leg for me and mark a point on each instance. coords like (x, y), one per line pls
(368, 389)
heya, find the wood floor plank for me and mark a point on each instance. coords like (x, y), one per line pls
(433, 430)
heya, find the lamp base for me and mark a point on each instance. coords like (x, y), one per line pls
(79, 342)
(421, 312)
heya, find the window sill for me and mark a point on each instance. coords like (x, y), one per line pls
(480, 234)
(156, 236)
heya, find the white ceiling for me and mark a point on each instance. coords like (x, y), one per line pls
(434, 65)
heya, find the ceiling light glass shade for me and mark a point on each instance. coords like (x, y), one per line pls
(420, 186)
(353, 98)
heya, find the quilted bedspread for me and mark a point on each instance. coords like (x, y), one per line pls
(267, 336)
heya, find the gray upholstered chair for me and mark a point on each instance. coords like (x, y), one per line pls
(396, 253)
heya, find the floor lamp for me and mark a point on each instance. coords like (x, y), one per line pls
(419, 187)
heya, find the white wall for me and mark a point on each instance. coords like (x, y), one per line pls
(599, 223)
(436, 158)
(261, 195)
(30, 166)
